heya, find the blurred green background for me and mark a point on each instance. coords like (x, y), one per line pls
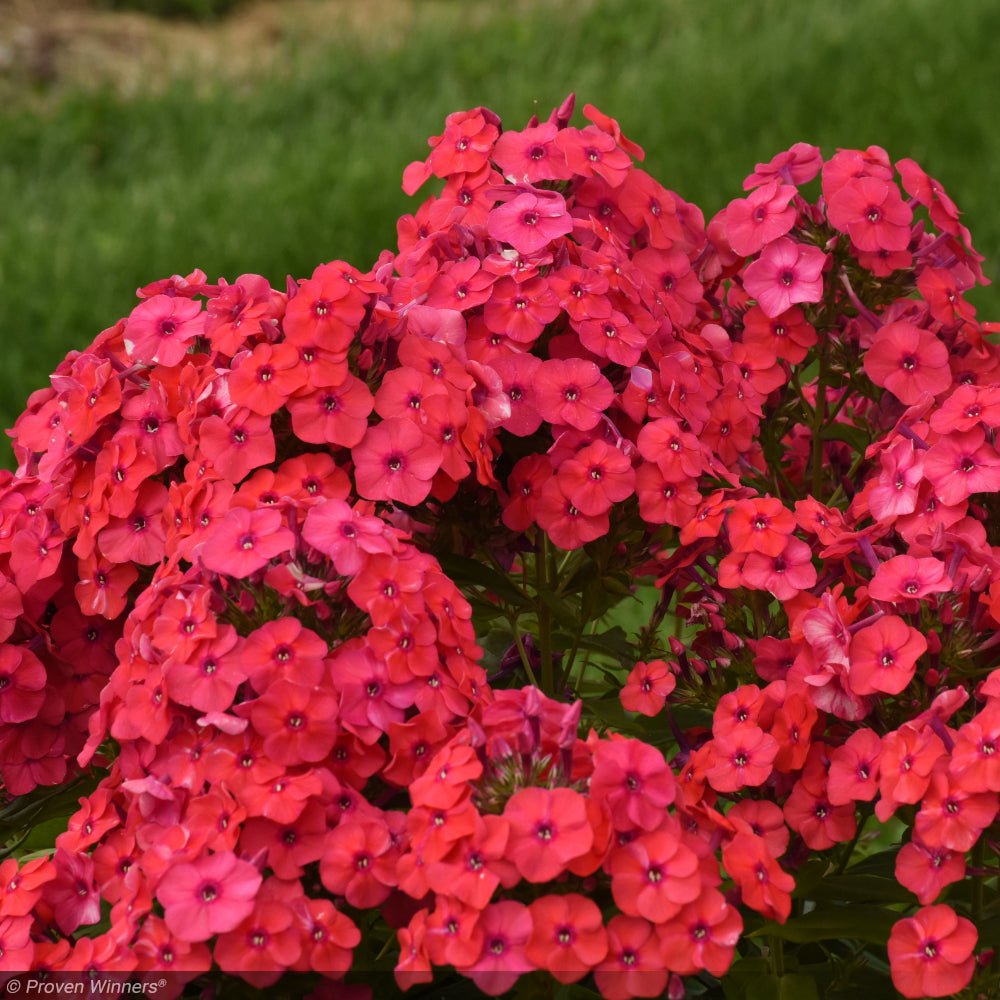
(281, 141)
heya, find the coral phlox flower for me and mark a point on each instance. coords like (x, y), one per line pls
(854, 769)
(742, 756)
(237, 442)
(447, 778)
(925, 870)
(160, 328)
(22, 684)
(476, 864)
(616, 337)
(326, 309)
(634, 783)
(975, 758)
(359, 862)
(531, 155)
(572, 391)
(785, 273)
(265, 378)
(211, 895)
(548, 828)
(930, 953)
(531, 220)
(246, 541)
(908, 361)
(784, 574)
(676, 452)
(209, 677)
(655, 874)
(909, 578)
(809, 811)
(952, 815)
(961, 464)
(71, 893)
(965, 407)
(369, 699)
(593, 152)
(465, 145)
(702, 935)
(332, 937)
(389, 583)
(268, 940)
(566, 525)
(909, 754)
(634, 966)
(764, 885)
(609, 125)
(647, 687)
(582, 292)
(872, 212)
(762, 217)
(567, 936)
(895, 491)
(520, 310)
(453, 935)
(788, 335)
(884, 655)
(737, 709)
(797, 165)
(332, 414)
(283, 649)
(297, 722)
(759, 524)
(506, 928)
(596, 477)
(346, 534)
(673, 286)
(395, 461)
(236, 311)
(764, 819)
(140, 536)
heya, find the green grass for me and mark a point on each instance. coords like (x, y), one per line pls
(99, 195)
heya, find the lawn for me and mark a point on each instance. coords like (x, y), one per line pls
(272, 161)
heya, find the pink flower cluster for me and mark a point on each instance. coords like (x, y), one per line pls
(317, 592)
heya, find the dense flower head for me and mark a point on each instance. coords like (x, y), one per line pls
(579, 584)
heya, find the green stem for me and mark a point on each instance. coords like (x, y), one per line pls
(544, 612)
(819, 419)
(776, 948)
(566, 672)
(978, 861)
(525, 662)
(846, 856)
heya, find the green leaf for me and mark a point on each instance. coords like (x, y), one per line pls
(854, 436)
(766, 987)
(746, 972)
(464, 570)
(810, 875)
(860, 888)
(855, 923)
(562, 611)
(883, 863)
(989, 932)
(614, 642)
(796, 986)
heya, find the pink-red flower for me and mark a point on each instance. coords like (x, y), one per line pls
(908, 361)
(531, 220)
(930, 953)
(785, 273)
(208, 896)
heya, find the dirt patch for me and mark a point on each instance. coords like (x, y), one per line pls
(49, 47)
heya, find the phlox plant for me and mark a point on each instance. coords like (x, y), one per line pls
(588, 599)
